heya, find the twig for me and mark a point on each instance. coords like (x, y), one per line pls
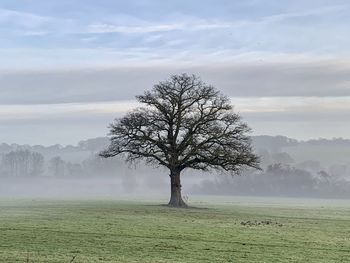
(73, 259)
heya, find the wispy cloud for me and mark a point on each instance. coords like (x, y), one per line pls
(110, 28)
(317, 11)
(24, 19)
(34, 33)
(173, 34)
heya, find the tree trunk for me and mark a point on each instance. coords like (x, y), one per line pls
(176, 199)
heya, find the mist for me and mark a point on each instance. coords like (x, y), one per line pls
(290, 168)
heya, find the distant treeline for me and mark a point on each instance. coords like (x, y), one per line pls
(24, 163)
(278, 180)
(316, 168)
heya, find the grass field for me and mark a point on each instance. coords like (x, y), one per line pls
(125, 231)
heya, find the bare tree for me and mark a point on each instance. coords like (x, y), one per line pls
(37, 161)
(22, 163)
(56, 166)
(184, 123)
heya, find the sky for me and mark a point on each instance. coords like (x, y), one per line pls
(68, 68)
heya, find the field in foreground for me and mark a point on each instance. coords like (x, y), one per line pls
(116, 231)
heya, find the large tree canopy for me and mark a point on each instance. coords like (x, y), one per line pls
(184, 123)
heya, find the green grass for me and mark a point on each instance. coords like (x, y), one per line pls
(116, 231)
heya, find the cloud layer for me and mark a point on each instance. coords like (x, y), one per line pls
(260, 79)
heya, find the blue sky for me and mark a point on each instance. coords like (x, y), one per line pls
(84, 33)
(77, 64)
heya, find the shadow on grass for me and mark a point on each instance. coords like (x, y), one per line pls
(180, 208)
